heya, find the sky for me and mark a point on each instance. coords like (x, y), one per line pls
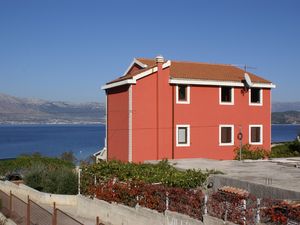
(67, 49)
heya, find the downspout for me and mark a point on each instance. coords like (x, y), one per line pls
(159, 62)
(106, 124)
(157, 115)
(130, 124)
(173, 134)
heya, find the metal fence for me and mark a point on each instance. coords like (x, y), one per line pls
(38, 215)
(4, 203)
(64, 219)
(31, 213)
(18, 212)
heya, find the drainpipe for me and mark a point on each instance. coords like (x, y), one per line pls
(159, 62)
(173, 130)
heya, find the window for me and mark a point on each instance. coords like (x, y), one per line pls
(255, 97)
(226, 95)
(183, 94)
(226, 135)
(183, 135)
(255, 134)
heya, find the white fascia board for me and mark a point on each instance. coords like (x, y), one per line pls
(260, 85)
(216, 83)
(116, 84)
(135, 61)
(144, 74)
(136, 77)
(166, 64)
(150, 71)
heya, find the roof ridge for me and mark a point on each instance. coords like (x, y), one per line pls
(184, 61)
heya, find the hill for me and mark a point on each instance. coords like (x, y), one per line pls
(285, 106)
(15, 110)
(289, 117)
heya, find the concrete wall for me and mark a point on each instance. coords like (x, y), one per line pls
(109, 213)
(259, 190)
(117, 214)
(22, 191)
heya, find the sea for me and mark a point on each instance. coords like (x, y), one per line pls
(82, 140)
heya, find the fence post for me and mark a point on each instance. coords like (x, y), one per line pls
(97, 220)
(167, 201)
(54, 216)
(258, 211)
(205, 204)
(137, 201)
(244, 210)
(226, 212)
(28, 210)
(10, 203)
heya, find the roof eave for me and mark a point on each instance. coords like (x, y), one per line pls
(135, 77)
(173, 80)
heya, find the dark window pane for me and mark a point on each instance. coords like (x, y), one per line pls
(226, 134)
(182, 95)
(255, 134)
(226, 94)
(182, 135)
(255, 95)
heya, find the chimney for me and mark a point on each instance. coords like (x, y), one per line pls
(159, 59)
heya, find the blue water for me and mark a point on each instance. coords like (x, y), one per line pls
(83, 140)
(285, 132)
(51, 140)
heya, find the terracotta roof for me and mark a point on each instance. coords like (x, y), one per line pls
(130, 75)
(206, 71)
(234, 190)
(200, 71)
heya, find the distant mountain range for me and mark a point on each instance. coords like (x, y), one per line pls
(15, 110)
(286, 113)
(285, 106)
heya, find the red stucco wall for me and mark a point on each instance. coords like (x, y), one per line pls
(117, 123)
(154, 133)
(205, 114)
(152, 139)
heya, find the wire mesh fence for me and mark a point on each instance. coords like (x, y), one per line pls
(4, 203)
(38, 215)
(31, 213)
(64, 219)
(18, 210)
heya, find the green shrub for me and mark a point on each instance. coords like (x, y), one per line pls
(56, 181)
(290, 149)
(162, 173)
(26, 162)
(248, 152)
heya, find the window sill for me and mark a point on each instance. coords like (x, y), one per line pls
(256, 104)
(226, 103)
(226, 144)
(182, 145)
(255, 143)
(182, 102)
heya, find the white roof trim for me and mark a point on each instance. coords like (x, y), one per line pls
(135, 61)
(116, 84)
(217, 83)
(136, 77)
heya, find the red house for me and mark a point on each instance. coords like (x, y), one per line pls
(170, 109)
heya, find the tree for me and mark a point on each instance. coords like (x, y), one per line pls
(68, 156)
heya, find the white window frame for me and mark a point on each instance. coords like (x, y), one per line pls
(187, 95)
(261, 134)
(220, 135)
(220, 96)
(261, 98)
(187, 135)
